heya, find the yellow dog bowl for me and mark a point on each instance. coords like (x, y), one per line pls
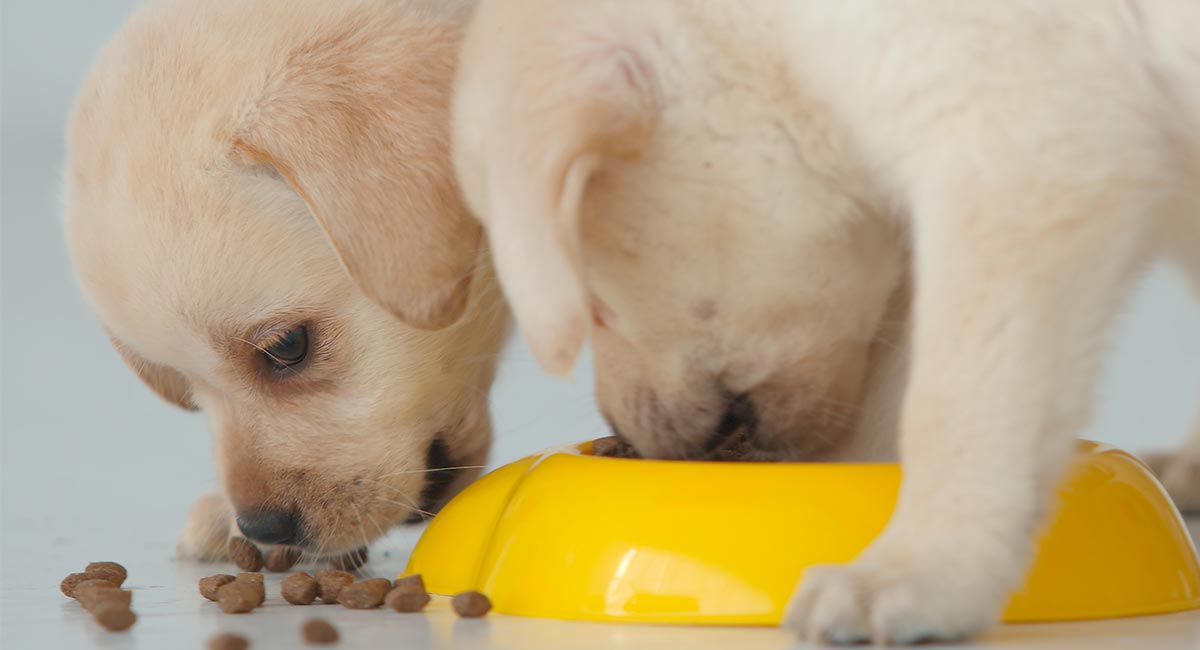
(568, 535)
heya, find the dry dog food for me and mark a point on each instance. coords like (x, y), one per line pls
(114, 615)
(281, 558)
(352, 560)
(408, 594)
(228, 641)
(98, 589)
(210, 585)
(244, 554)
(470, 604)
(613, 447)
(238, 597)
(93, 592)
(299, 588)
(108, 571)
(318, 631)
(330, 583)
(255, 580)
(365, 594)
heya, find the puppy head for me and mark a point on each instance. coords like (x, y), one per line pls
(689, 209)
(260, 209)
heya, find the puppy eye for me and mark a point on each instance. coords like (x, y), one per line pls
(289, 350)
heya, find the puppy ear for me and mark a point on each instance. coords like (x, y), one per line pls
(539, 140)
(169, 384)
(358, 125)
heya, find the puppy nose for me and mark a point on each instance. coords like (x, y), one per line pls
(738, 415)
(270, 526)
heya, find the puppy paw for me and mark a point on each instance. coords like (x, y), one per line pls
(885, 599)
(206, 532)
(1180, 475)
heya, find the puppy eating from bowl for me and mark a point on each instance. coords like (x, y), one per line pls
(261, 210)
(732, 200)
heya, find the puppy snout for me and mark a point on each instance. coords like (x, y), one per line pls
(739, 420)
(271, 526)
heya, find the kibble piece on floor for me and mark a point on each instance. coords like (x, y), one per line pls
(319, 631)
(237, 597)
(414, 581)
(210, 585)
(255, 581)
(228, 641)
(244, 554)
(407, 599)
(351, 561)
(72, 581)
(114, 616)
(365, 594)
(91, 593)
(281, 558)
(330, 583)
(110, 571)
(470, 604)
(298, 588)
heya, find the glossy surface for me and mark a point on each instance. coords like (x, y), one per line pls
(567, 535)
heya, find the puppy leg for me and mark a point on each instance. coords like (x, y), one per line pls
(210, 523)
(1016, 289)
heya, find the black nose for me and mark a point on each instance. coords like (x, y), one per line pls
(739, 417)
(270, 526)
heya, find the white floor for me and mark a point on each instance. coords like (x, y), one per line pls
(173, 615)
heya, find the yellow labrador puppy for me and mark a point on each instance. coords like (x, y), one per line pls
(261, 209)
(722, 194)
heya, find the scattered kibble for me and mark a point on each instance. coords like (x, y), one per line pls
(318, 631)
(244, 554)
(407, 598)
(237, 597)
(330, 583)
(93, 592)
(255, 581)
(110, 571)
(228, 641)
(365, 594)
(210, 585)
(114, 615)
(299, 588)
(281, 558)
(470, 604)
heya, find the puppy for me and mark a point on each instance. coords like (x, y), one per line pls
(260, 208)
(723, 196)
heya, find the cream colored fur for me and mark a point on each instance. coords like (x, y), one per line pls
(722, 197)
(237, 169)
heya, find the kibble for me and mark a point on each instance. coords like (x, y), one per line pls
(330, 583)
(365, 594)
(244, 554)
(73, 580)
(407, 599)
(319, 631)
(255, 580)
(228, 641)
(470, 604)
(114, 615)
(110, 571)
(298, 589)
(351, 561)
(210, 585)
(613, 447)
(93, 592)
(237, 597)
(281, 558)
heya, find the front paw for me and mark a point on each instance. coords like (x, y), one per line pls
(206, 532)
(900, 598)
(1180, 475)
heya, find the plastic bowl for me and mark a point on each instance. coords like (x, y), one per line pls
(567, 535)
